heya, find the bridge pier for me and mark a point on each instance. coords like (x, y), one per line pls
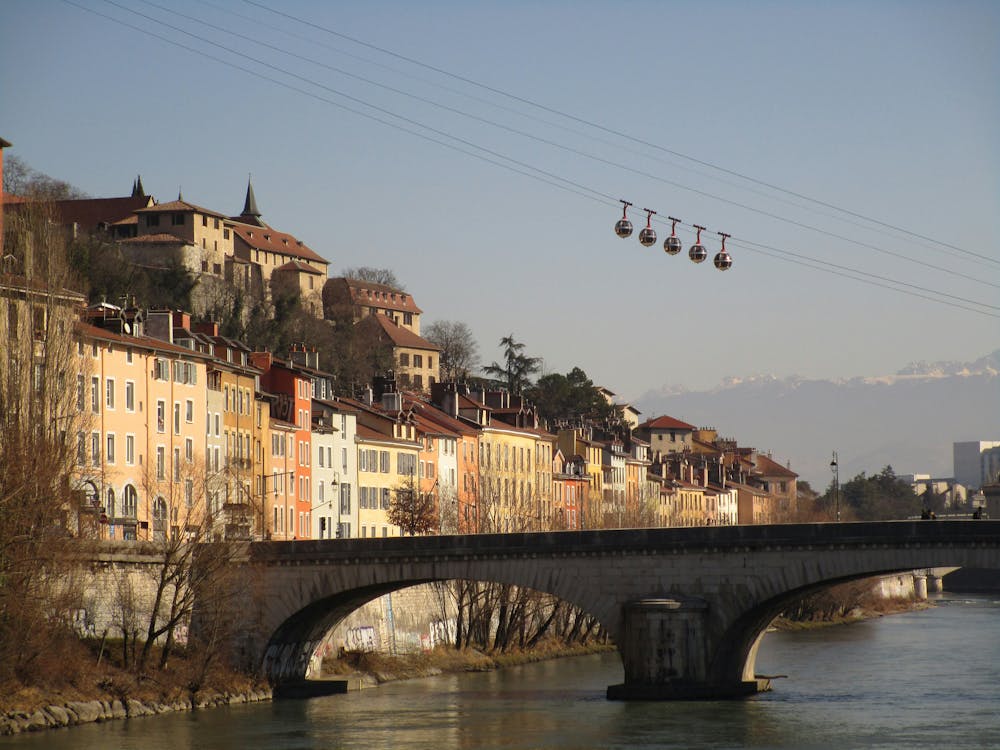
(665, 651)
(920, 585)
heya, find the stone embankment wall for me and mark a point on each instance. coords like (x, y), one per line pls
(118, 583)
(73, 713)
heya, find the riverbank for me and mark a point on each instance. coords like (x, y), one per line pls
(371, 669)
(871, 610)
(85, 687)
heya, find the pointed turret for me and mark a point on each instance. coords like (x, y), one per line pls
(180, 195)
(137, 190)
(250, 204)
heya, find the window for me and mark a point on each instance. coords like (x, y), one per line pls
(430, 362)
(109, 393)
(177, 464)
(384, 462)
(110, 453)
(130, 449)
(321, 465)
(95, 395)
(129, 395)
(406, 464)
(189, 450)
(161, 462)
(95, 448)
(177, 220)
(161, 416)
(152, 220)
(128, 356)
(345, 499)
(204, 220)
(189, 411)
(418, 360)
(81, 392)
(81, 448)
(177, 416)
(404, 359)
(130, 502)
(188, 493)
(407, 319)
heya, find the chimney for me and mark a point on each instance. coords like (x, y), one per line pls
(367, 396)
(261, 360)
(392, 401)
(208, 328)
(181, 319)
(158, 326)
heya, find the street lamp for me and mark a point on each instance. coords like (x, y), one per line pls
(835, 468)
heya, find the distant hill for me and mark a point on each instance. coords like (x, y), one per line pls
(908, 420)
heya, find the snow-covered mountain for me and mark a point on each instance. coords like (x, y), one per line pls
(908, 420)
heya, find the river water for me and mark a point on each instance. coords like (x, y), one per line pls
(920, 679)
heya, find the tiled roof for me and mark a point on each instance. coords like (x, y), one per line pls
(370, 294)
(666, 423)
(398, 335)
(180, 207)
(89, 213)
(160, 238)
(770, 468)
(272, 241)
(140, 342)
(337, 405)
(297, 265)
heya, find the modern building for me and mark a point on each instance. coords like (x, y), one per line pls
(976, 463)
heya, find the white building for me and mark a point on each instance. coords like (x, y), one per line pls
(977, 462)
(334, 470)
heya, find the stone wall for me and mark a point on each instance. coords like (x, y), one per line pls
(413, 619)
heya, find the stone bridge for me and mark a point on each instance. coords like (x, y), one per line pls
(686, 606)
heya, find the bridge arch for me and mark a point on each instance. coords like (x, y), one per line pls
(294, 639)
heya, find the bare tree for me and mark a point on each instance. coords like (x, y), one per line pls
(189, 564)
(383, 276)
(459, 352)
(413, 511)
(24, 181)
(39, 423)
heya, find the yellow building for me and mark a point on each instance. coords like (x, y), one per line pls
(579, 441)
(388, 460)
(144, 455)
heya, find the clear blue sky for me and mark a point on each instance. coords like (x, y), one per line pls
(888, 109)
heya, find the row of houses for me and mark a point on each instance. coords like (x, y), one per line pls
(180, 426)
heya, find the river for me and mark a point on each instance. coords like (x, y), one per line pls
(920, 679)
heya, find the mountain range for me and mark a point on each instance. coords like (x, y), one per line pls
(908, 420)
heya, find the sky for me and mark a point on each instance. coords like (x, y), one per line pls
(479, 150)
